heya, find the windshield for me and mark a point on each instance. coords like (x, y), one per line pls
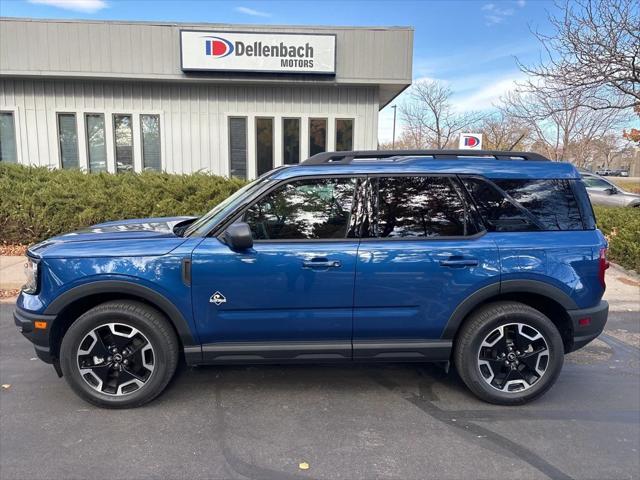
(210, 218)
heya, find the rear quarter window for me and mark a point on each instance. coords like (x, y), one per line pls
(526, 205)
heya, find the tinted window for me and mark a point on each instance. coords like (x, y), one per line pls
(551, 201)
(151, 155)
(420, 207)
(123, 133)
(68, 140)
(317, 136)
(238, 147)
(344, 134)
(290, 141)
(305, 209)
(535, 204)
(8, 152)
(264, 144)
(96, 148)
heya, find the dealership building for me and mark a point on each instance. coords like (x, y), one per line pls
(232, 100)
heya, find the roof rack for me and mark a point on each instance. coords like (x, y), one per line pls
(346, 157)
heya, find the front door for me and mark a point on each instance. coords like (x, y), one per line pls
(291, 296)
(426, 253)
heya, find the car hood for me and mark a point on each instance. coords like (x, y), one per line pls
(139, 236)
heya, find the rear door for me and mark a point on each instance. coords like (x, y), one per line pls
(425, 254)
(291, 296)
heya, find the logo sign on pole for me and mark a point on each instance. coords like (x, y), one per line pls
(470, 141)
(258, 52)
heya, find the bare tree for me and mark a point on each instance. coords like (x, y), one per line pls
(561, 127)
(501, 132)
(593, 52)
(429, 119)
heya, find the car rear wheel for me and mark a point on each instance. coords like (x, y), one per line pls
(508, 353)
(120, 354)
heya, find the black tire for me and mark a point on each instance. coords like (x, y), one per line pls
(483, 323)
(153, 328)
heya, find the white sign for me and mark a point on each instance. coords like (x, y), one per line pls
(470, 141)
(258, 52)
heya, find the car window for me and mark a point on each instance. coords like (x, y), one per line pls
(595, 182)
(499, 213)
(420, 207)
(526, 205)
(551, 202)
(309, 209)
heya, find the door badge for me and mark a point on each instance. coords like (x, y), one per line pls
(218, 299)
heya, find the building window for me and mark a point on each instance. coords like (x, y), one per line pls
(123, 136)
(8, 151)
(290, 141)
(264, 144)
(317, 135)
(151, 155)
(96, 147)
(238, 147)
(344, 134)
(68, 140)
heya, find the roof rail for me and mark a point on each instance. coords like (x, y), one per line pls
(347, 157)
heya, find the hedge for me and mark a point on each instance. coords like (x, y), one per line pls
(621, 226)
(36, 203)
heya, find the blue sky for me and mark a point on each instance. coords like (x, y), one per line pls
(468, 44)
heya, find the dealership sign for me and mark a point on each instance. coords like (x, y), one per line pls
(470, 141)
(258, 52)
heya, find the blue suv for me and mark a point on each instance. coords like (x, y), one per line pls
(488, 259)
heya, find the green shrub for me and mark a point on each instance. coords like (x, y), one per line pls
(36, 203)
(622, 228)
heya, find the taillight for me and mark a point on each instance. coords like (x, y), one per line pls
(603, 264)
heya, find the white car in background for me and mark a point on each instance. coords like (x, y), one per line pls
(604, 192)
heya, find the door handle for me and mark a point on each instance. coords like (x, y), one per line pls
(460, 262)
(321, 263)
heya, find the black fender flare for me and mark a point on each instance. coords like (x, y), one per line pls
(493, 290)
(127, 288)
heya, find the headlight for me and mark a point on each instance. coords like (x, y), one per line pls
(31, 272)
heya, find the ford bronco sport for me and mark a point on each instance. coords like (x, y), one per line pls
(491, 260)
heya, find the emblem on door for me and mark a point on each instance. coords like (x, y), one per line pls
(217, 298)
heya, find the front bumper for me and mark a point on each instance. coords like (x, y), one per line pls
(588, 323)
(36, 328)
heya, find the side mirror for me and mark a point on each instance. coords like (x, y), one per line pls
(612, 190)
(238, 237)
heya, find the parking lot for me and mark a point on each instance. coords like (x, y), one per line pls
(346, 422)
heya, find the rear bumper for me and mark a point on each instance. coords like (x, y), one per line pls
(26, 323)
(588, 323)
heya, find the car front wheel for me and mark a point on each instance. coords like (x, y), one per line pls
(120, 354)
(508, 353)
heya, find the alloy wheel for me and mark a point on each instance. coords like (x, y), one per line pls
(115, 359)
(513, 357)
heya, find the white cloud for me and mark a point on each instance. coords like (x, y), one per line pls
(488, 95)
(521, 3)
(87, 6)
(495, 14)
(252, 12)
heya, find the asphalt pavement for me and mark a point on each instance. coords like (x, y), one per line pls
(345, 422)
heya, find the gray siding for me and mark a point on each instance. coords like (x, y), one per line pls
(152, 51)
(193, 117)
